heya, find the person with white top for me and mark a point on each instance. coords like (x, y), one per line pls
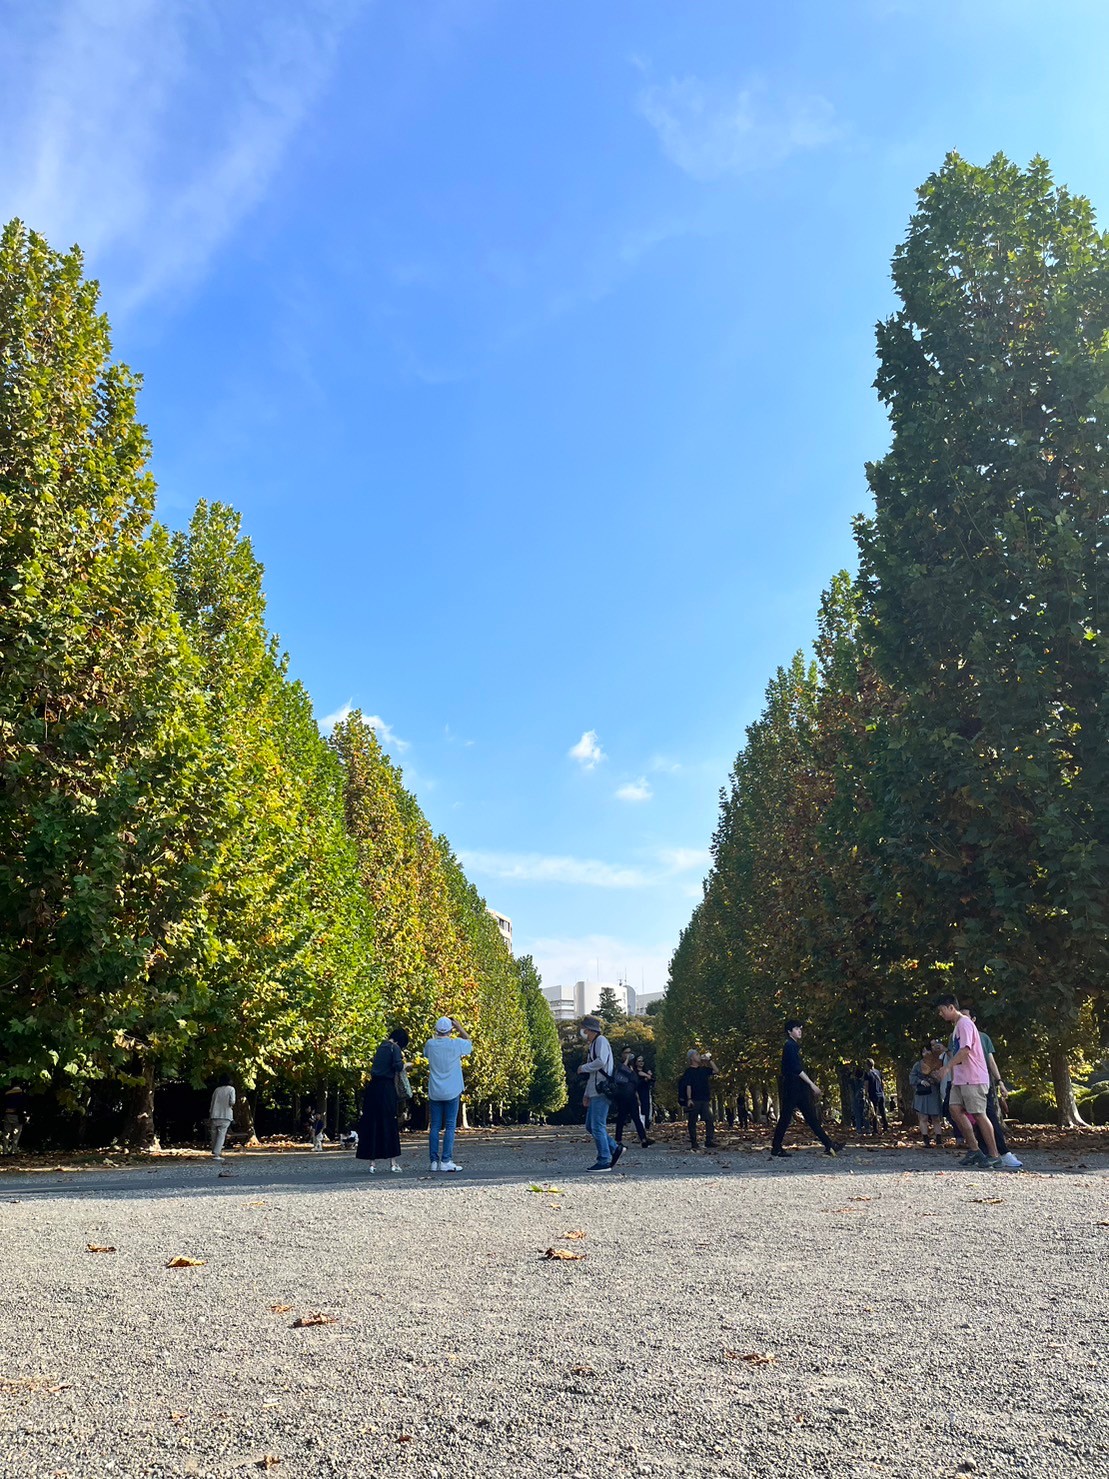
(220, 1114)
(444, 1053)
(598, 1065)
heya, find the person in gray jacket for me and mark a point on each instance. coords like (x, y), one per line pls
(924, 1076)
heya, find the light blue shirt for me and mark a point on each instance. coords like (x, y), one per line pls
(444, 1060)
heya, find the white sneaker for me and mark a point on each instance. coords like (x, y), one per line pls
(1009, 1162)
(449, 1166)
(435, 1165)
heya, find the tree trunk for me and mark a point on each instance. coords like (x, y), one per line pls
(1069, 1117)
(244, 1113)
(138, 1129)
(904, 1096)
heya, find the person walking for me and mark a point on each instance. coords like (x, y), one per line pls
(445, 1052)
(876, 1096)
(378, 1129)
(797, 1092)
(598, 1066)
(221, 1111)
(966, 1067)
(695, 1093)
(924, 1077)
(626, 1099)
(646, 1086)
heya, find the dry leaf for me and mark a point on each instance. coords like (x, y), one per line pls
(582, 1371)
(752, 1358)
(267, 1461)
(546, 1190)
(1101, 1224)
(33, 1384)
(575, 1234)
(860, 1199)
(315, 1317)
(404, 1437)
(256, 1204)
(182, 1262)
(280, 1309)
(988, 1201)
(563, 1255)
(178, 1417)
(99, 1248)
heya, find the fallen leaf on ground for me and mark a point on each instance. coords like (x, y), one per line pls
(842, 1210)
(315, 1317)
(989, 1201)
(1101, 1224)
(582, 1371)
(99, 1248)
(267, 1461)
(563, 1255)
(33, 1384)
(182, 1262)
(256, 1204)
(280, 1309)
(404, 1437)
(546, 1190)
(178, 1417)
(575, 1234)
(860, 1199)
(753, 1358)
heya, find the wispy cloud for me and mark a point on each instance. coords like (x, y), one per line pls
(663, 764)
(587, 752)
(666, 863)
(148, 130)
(639, 790)
(561, 961)
(712, 134)
(385, 732)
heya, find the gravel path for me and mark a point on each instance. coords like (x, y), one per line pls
(878, 1314)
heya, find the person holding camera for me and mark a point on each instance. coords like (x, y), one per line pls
(797, 1092)
(695, 1094)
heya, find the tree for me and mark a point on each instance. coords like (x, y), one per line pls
(547, 1092)
(608, 1006)
(983, 572)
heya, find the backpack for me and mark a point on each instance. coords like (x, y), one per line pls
(621, 1085)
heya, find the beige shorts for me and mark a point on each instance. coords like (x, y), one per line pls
(971, 1098)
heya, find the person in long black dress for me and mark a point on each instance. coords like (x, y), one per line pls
(378, 1129)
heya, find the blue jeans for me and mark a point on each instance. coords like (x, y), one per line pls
(443, 1116)
(596, 1122)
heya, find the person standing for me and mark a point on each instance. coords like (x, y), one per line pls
(995, 1092)
(858, 1101)
(598, 1065)
(378, 1129)
(876, 1094)
(924, 1076)
(221, 1112)
(797, 1092)
(695, 1094)
(646, 1085)
(626, 1099)
(445, 1052)
(966, 1067)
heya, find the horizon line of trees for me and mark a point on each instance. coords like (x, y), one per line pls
(924, 805)
(193, 878)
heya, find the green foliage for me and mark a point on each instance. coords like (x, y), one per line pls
(547, 1091)
(608, 1006)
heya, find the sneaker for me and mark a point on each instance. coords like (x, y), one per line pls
(447, 1166)
(1009, 1162)
(835, 1147)
(976, 1162)
(970, 1159)
(646, 1144)
(395, 1168)
(434, 1166)
(616, 1154)
(780, 1155)
(600, 1166)
(224, 1173)
(994, 1162)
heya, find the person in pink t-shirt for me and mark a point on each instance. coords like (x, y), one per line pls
(970, 1082)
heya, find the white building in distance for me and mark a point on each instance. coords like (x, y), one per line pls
(504, 924)
(584, 997)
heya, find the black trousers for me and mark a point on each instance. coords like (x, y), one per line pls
(703, 1109)
(995, 1119)
(793, 1100)
(879, 1108)
(628, 1109)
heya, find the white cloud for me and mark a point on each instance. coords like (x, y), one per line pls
(329, 721)
(148, 130)
(639, 790)
(538, 868)
(664, 764)
(587, 752)
(561, 961)
(711, 134)
(585, 872)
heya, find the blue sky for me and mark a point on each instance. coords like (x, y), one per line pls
(534, 341)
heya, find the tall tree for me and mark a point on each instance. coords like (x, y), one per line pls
(985, 581)
(546, 1090)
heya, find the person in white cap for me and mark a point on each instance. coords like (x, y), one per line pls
(444, 1053)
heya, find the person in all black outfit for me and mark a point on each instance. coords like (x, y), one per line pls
(378, 1129)
(876, 1094)
(797, 1091)
(646, 1088)
(626, 1100)
(694, 1092)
